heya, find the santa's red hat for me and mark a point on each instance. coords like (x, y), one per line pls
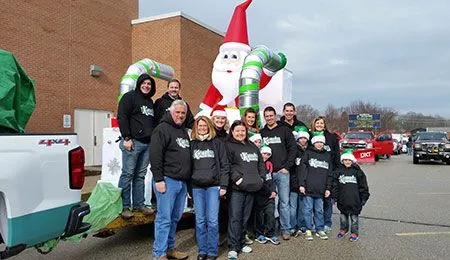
(219, 111)
(237, 36)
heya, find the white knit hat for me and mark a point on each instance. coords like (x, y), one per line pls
(318, 137)
(266, 149)
(255, 137)
(348, 155)
(301, 131)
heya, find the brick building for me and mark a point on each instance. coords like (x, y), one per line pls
(56, 42)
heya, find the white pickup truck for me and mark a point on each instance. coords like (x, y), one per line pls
(41, 176)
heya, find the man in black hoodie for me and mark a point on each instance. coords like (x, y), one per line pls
(284, 149)
(289, 118)
(136, 121)
(163, 103)
(171, 167)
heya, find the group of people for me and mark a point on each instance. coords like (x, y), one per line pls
(248, 173)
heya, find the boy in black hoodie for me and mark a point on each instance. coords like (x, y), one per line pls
(136, 122)
(351, 191)
(265, 204)
(296, 202)
(313, 176)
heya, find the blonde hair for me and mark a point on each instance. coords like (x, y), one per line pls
(211, 131)
(313, 124)
(226, 126)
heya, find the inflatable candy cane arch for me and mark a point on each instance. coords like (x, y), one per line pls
(151, 67)
(259, 59)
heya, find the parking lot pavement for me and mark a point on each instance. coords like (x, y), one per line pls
(406, 217)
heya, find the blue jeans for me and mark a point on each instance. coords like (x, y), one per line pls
(316, 204)
(134, 169)
(206, 205)
(281, 181)
(327, 212)
(170, 209)
(409, 149)
(296, 205)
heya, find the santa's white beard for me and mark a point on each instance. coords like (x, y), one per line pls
(227, 84)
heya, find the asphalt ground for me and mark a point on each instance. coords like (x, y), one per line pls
(406, 217)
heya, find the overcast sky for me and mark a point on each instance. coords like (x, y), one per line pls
(394, 53)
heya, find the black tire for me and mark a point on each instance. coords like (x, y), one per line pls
(415, 160)
(448, 162)
(377, 158)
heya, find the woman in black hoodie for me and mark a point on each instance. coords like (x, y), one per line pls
(247, 174)
(209, 180)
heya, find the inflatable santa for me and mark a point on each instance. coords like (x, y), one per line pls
(227, 66)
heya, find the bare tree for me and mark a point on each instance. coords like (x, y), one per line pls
(306, 113)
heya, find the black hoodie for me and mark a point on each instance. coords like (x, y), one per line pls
(332, 146)
(162, 105)
(136, 113)
(210, 165)
(350, 189)
(221, 134)
(315, 172)
(282, 142)
(296, 123)
(247, 163)
(169, 151)
(293, 178)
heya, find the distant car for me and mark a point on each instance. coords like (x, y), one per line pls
(397, 146)
(431, 146)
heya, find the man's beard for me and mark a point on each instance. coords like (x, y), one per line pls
(227, 84)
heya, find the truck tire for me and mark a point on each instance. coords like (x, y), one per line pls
(448, 162)
(415, 160)
(377, 158)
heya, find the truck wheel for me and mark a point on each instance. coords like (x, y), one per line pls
(377, 158)
(448, 162)
(415, 160)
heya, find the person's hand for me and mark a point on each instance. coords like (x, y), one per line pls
(161, 187)
(223, 192)
(128, 145)
(273, 195)
(363, 202)
(327, 193)
(284, 170)
(302, 190)
(239, 181)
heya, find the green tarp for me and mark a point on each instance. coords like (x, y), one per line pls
(17, 100)
(105, 203)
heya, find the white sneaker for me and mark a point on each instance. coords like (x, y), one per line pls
(246, 249)
(232, 255)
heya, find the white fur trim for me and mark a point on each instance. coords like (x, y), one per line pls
(266, 149)
(255, 137)
(205, 107)
(301, 134)
(219, 113)
(347, 156)
(233, 46)
(316, 139)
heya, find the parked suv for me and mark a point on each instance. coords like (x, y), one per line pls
(431, 146)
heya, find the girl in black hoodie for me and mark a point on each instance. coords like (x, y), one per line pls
(247, 174)
(332, 146)
(210, 174)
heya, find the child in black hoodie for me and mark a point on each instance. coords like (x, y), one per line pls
(313, 174)
(265, 204)
(351, 191)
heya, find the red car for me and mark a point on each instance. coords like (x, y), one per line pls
(381, 143)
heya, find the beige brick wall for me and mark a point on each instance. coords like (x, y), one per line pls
(183, 44)
(56, 41)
